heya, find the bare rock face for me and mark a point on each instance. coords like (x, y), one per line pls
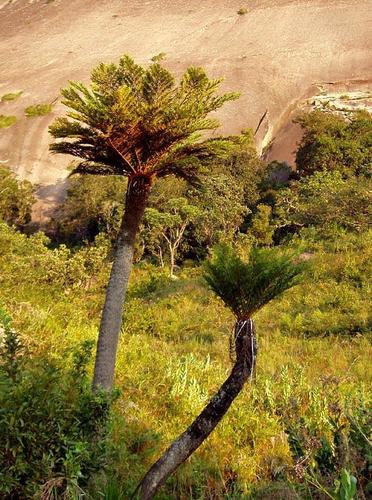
(340, 98)
(277, 54)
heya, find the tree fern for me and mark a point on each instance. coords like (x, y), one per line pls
(246, 285)
(139, 123)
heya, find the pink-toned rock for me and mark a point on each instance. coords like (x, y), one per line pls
(276, 55)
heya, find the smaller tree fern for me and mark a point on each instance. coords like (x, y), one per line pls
(246, 285)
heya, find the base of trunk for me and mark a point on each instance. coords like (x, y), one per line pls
(203, 425)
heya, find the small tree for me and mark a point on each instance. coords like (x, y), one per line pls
(220, 200)
(245, 286)
(169, 227)
(91, 206)
(136, 123)
(331, 142)
(261, 228)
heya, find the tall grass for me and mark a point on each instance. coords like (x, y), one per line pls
(302, 422)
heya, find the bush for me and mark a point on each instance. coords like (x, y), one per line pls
(324, 200)
(16, 198)
(11, 96)
(38, 110)
(7, 120)
(260, 228)
(52, 428)
(331, 142)
(93, 204)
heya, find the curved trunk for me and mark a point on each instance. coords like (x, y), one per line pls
(112, 314)
(203, 425)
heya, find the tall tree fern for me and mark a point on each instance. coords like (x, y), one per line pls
(138, 123)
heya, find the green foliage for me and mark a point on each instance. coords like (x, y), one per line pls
(319, 431)
(276, 175)
(244, 165)
(11, 96)
(246, 285)
(133, 119)
(52, 428)
(335, 299)
(324, 200)
(346, 487)
(159, 57)
(16, 198)
(313, 391)
(331, 142)
(29, 261)
(38, 110)
(7, 121)
(95, 204)
(305, 421)
(220, 199)
(306, 391)
(92, 205)
(164, 230)
(261, 228)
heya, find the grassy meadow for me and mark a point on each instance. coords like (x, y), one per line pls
(305, 414)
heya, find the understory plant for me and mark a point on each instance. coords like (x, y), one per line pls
(52, 428)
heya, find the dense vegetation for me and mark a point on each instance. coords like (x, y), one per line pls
(301, 430)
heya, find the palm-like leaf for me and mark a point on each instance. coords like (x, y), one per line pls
(245, 286)
(131, 119)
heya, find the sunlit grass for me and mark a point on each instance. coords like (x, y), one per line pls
(173, 355)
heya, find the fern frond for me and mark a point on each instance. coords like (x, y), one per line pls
(245, 286)
(141, 119)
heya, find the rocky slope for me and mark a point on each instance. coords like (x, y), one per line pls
(277, 54)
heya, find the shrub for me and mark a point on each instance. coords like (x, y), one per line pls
(331, 142)
(27, 261)
(260, 228)
(325, 199)
(11, 96)
(16, 198)
(7, 120)
(93, 204)
(38, 110)
(52, 428)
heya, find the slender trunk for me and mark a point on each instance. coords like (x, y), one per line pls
(171, 253)
(161, 260)
(203, 425)
(112, 314)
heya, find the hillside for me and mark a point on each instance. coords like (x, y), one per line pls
(193, 322)
(276, 54)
